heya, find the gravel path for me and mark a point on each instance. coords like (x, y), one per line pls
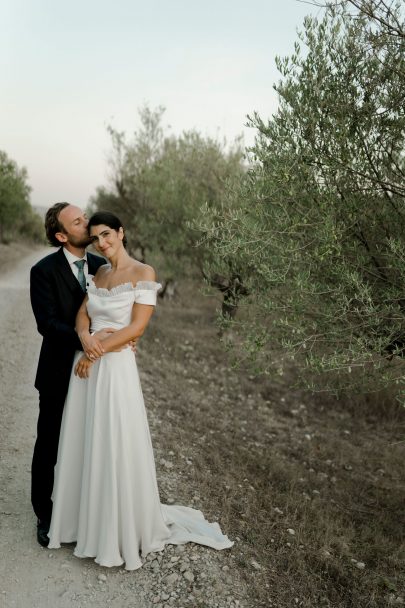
(33, 577)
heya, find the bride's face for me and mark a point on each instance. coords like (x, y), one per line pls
(106, 240)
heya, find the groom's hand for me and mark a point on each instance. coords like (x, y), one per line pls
(82, 367)
(131, 344)
(105, 333)
(102, 334)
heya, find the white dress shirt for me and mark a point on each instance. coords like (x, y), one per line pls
(72, 259)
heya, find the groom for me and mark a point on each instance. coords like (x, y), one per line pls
(58, 285)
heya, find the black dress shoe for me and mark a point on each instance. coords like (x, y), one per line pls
(42, 533)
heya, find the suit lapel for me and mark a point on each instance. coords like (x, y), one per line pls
(66, 272)
(93, 262)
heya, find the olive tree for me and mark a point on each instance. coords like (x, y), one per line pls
(319, 226)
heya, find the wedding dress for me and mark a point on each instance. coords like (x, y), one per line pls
(105, 495)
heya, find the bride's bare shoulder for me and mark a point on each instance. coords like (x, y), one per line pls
(142, 272)
(101, 270)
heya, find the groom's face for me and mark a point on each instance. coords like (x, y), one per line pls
(74, 222)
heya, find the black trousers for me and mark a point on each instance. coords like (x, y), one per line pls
(45, 453)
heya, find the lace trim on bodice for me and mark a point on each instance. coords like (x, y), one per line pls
(122, 288)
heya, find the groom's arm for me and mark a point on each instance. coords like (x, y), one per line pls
(45, 309)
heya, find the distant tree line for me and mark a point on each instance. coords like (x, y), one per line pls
(17, 218)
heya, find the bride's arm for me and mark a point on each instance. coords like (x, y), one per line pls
(83, 319)
(92, 344)
(141, 314)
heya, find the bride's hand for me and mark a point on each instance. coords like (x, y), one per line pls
(92, 344)
(82, 367)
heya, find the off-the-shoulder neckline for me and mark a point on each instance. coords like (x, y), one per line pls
(126, 284)
(121, 287)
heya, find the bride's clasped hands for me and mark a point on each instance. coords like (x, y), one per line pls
(92, 345)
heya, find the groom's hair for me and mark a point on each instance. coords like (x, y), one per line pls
(52, 223)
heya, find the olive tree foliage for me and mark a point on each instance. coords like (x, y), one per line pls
(158, 184)
(16, 214)
(319, 226)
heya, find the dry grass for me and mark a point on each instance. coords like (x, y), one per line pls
(265, 459)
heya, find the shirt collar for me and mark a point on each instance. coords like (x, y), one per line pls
(73, 258)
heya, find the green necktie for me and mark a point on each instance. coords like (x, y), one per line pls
(81, 278)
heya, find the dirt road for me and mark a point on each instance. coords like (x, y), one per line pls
(33, 577)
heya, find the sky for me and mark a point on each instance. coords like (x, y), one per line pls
(69, 69)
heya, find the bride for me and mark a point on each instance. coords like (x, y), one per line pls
(105, 495)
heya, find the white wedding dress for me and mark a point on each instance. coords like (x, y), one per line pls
(105, 495)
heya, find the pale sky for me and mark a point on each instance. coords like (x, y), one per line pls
(68, 69)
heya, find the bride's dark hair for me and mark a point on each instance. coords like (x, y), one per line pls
(108, 219)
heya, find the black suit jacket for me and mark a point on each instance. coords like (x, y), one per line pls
(56, 297)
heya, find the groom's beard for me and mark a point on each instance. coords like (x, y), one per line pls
(79, 241)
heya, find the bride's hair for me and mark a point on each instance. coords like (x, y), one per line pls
(108, 219)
